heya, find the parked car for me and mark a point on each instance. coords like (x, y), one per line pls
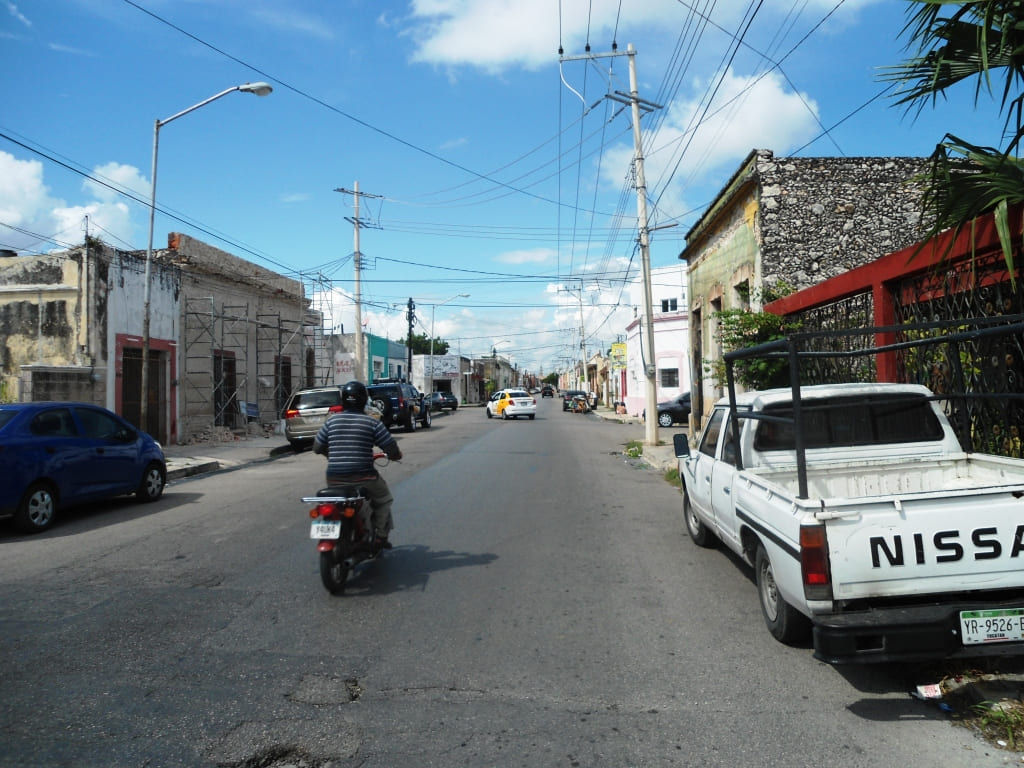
(399, 404)
(568, 395)
(441, 400)
(674, 411)
(306, 412)
(511, 403)
(547, 391)
(56, 455)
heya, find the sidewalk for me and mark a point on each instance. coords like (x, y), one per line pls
(661, 456)
(217, 455)
(213, 456)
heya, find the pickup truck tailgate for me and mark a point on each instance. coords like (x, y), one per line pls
(925, 543)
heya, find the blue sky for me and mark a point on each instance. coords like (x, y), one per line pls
(488, 167)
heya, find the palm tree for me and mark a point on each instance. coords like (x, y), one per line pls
(959, 41)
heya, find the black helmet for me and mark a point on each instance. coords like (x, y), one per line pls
(353, 396)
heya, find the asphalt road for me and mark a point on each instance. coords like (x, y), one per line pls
(542, 607)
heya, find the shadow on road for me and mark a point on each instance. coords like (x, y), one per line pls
(409, 567)
(98, 514)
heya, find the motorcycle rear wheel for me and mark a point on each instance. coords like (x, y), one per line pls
(333, 572)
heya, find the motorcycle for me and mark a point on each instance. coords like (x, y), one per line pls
(580, 404)
(342, 525)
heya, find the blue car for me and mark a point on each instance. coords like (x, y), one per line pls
(56, 455)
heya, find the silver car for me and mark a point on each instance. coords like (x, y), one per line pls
(306, 412)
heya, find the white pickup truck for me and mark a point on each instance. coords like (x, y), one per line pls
(886, 539)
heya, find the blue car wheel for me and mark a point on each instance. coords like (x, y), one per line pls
(152, 485)
(36, 509)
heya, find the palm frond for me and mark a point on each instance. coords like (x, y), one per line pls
(965, 181)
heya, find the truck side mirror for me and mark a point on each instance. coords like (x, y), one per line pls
(681, 443)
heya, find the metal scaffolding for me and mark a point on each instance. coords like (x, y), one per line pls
(240, 368)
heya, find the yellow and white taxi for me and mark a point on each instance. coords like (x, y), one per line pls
(512, 403)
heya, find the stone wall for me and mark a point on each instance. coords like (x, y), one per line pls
(822, 216)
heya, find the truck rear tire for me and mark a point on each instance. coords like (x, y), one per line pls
(785, 622)
(700, 533)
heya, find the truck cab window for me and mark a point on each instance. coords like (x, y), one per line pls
(709, 440)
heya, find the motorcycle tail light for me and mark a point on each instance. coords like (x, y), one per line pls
(322, 510)
(349, 512)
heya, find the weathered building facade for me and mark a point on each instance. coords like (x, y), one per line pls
(71, 324)
(781, 224)
(227, 337)
(247, 339)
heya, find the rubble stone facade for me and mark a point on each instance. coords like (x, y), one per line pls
(783, 224)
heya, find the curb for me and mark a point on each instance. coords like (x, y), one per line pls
(207, 466)
(193, 469)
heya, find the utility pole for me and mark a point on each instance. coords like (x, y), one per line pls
(650, 370)
(637, 104)
(360, 366)
(411, 315)
(582, 381)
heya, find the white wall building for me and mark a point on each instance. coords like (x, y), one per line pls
(671, 340)
(443, 373)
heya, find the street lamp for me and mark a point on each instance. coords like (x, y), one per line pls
(260, 89)
(432, 308)
(494, 359)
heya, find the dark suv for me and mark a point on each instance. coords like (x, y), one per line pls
(399, 404)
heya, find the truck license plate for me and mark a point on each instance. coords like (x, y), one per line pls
(325, 530)
(1002, 625)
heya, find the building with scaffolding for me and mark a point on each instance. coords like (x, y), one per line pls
(229, 339)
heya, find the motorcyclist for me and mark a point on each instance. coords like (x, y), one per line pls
(347, 439)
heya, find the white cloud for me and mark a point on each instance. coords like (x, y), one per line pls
(45, 223)
(495, 34)
(109, 221)
(747, 114)
(61, 48)
(22, 193)
(294, 21)
(533, 256)
(454, 144)
(12, 9)
(118, 175)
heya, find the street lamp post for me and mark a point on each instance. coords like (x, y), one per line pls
(260, 89)
(494, 360)
(432, 308)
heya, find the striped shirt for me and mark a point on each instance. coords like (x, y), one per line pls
(349, 437)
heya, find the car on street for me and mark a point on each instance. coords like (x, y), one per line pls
(512, 403)
(568, 395)
(547, 391)
(55, 455)
(441, 400)
(399, 404)
(306, 412)
(674, 411)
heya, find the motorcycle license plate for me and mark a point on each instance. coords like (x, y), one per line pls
(325, 530)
